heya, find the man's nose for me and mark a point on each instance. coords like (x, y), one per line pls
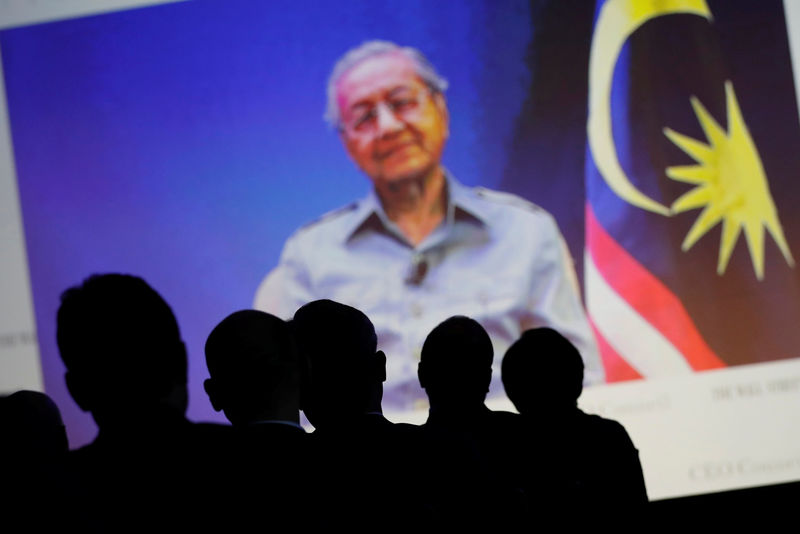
(387, 122)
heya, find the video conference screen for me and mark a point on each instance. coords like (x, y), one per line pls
(624, 171)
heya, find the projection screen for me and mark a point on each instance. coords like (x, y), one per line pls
(183, 142)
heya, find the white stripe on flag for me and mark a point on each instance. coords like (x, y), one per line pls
(634, 339)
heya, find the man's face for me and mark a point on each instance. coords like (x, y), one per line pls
(393, 126)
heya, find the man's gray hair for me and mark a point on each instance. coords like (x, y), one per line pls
(425, 70)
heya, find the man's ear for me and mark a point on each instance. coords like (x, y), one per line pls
(77, 390)
(380, 366)
(211, 390)
(422, 375)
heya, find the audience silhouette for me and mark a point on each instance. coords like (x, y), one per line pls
(361, 460)
(254, 380)
(33, 449)
(344, 387)
(33, 429)
(150, 468)
(125, 360)
(468, 453)
(575, 461)
(126, 365)
(255, 376)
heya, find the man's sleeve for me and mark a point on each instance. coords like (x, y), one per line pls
(287, 286)
(555, 300)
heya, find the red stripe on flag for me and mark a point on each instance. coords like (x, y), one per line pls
(648, 296)
(617, 369)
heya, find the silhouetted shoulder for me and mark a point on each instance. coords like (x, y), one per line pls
(619, 473)
(607, 430)
(505, 424)
(211, 436)
(501, 415)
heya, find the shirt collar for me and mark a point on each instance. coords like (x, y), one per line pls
(464, 199)
(461, 200)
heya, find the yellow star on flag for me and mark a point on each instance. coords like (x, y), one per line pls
(731, 186)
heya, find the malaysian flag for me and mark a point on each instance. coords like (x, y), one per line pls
(692, 171)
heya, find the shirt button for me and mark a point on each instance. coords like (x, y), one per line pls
(416, 309)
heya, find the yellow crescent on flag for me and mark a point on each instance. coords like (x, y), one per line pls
(618, 19)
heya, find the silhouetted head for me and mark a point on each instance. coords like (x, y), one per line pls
(542, 372)
(346, 372)
(122, 349)
(253, 368)
(32, 428)
(455, 367)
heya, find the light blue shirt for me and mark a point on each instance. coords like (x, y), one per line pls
(496, 258)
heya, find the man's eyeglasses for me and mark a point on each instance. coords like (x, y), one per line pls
(403, 104)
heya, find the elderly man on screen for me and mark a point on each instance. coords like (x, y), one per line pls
(422, 247)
